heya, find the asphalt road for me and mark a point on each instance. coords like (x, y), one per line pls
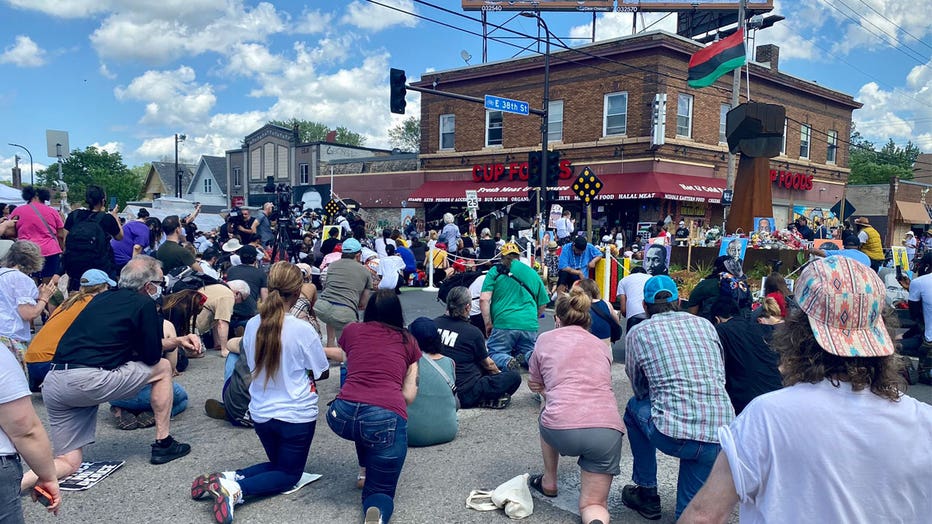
(490, 448)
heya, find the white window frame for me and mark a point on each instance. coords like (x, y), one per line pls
(208, 185)
(831, 154)
(555, 127)
(488, 124)
(805, 131)
(304, 174)
(688, 116)
(783, 147)
(605, 115)
(237, 177)
(451, 118)
(722, 127)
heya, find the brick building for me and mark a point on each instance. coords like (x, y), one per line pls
(601, 116)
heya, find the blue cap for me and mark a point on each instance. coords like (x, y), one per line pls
(659, 283)
(95, 277)
(425, 332)
(351, 245)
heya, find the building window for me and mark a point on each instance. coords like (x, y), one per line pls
(684, 116)
(493, 128)
(831, 154)
(555, 121)
(447, 131)
(805, 132)
(304, 173)
(783, 147)
(237, 177)
(208, 185)
(723, 116)
(615, 118)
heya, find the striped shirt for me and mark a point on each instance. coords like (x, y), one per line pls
(675, 359)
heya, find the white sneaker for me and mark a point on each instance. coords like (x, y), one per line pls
(373, 516)
(228, 495)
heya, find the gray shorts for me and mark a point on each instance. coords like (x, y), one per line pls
(71, 398)
(598, 449)
(335, 315)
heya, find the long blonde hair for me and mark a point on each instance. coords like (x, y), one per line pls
(285, 281)
(85, 291)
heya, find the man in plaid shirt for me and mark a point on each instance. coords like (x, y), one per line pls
(674, 362)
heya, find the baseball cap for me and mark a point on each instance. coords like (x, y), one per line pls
(351, 245)
(510, 248)
(425, 331)
(580, 243)
(95, 277)
(843, 300)
(659, 283)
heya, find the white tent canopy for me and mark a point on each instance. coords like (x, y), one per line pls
(10, 195)
(163, 207)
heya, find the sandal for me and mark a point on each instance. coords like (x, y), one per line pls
(360, 481)
(536, 483)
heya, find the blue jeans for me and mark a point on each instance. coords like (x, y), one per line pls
(287, 446)
(381, 438)
(696, 458)
(228, 366)
(11, 473)
(143, 400)
(504, 344)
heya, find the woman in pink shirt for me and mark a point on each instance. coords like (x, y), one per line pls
(41, 225)
(571, 368)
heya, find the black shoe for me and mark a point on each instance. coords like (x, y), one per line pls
(499, 403)
(162, 454)
(215, 409)
(643, 500)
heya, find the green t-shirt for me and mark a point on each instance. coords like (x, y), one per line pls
(512, 306)
(432, 415)
(172, 256)
(707, 288)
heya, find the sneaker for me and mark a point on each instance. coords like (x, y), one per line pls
(162, 454)
(643, 500)
(124, 419)
(228, 494)
(373, 516)
(499, 403)
(521, 360)
(513, 365)
(145, 419)
(205, 484)
(215, 409)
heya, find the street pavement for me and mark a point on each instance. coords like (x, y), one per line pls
(491, 447)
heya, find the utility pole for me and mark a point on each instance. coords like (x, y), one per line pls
(32, 175)
(735, 99)
(178, 177)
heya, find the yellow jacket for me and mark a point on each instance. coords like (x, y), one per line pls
(873, 248)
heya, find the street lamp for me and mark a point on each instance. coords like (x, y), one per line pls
(545, 117)
(32, 175)
(178, 138)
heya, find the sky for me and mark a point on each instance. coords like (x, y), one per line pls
(126, 75)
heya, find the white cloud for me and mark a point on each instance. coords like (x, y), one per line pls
(105, 72)
(249, 59)
(615, 25)
(62, 8)
(110, 147)
(23, 53)
(7, 163)
(312, 22)
(147, 8)
(172, 97)
(372, 17)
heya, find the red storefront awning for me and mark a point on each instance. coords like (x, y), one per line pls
(628, 186)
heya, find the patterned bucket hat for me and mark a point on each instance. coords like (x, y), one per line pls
(844, 301)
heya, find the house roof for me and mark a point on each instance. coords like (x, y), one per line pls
(218, 169)
(165, 172)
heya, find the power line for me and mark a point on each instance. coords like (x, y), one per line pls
(921, 60)
(894, 24)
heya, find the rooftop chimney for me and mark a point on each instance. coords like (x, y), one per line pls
(769, 54)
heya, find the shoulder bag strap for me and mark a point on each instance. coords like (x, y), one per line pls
(42, 218)
(443, 374)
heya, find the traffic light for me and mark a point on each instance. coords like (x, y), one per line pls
(398, 80)
(553, 168)
(533, 169)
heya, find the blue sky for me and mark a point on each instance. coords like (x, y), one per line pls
(126, 75)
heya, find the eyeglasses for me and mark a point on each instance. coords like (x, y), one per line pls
(160, 283)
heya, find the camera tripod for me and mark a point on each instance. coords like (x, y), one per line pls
(283, 247)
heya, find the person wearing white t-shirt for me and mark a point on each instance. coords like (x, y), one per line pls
(390, 268)
(286, 358)
(21, 437)
(920, 309)
(475, 312)
(630, 293)
(830, 446)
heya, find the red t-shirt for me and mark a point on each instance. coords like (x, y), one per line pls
(376, 363)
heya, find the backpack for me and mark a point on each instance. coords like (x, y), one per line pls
(87, 245)
(733, 287)
(187, 279)
(464, 279)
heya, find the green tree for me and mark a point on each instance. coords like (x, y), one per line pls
(406, 135)
(95, 167)
(316, 132)
(872, 166)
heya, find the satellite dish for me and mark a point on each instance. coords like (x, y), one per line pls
(466, 56)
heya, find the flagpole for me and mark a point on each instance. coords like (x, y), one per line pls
(735, 99)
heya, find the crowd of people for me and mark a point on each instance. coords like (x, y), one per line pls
(727, 386)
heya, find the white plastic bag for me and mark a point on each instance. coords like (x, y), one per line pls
(514, 496)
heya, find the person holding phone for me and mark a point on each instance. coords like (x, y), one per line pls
(87, 238)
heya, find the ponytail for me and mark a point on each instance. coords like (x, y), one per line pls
(285, 282)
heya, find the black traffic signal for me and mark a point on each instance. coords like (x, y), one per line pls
(398, 80)
(533, 169)
(553, 168)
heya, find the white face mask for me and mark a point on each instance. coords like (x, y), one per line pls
(157, 294)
